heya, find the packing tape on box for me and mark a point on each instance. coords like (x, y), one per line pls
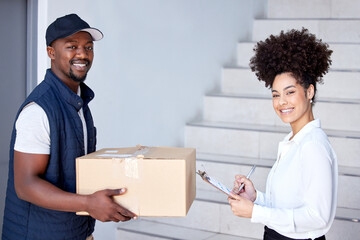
(132, 167)
(142, 150)
(132, 163)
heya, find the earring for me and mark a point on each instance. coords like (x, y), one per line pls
(311, 101)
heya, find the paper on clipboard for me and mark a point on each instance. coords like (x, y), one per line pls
(213, 182)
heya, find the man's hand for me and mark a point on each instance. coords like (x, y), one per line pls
(101, 206)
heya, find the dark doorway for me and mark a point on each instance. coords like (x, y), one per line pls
(13, 40)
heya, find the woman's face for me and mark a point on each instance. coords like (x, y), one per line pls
(290, 101)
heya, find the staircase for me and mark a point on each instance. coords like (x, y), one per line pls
(240, 128)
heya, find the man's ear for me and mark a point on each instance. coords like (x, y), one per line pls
(51, 52)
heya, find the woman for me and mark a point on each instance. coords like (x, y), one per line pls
(301, 189)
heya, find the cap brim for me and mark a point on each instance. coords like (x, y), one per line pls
(96, 34)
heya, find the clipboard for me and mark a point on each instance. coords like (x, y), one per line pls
(215, 183)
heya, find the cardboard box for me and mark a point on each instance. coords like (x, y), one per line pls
(160, 181)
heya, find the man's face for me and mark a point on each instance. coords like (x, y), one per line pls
(72, 56)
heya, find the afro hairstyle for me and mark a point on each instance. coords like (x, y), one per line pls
(295, 51)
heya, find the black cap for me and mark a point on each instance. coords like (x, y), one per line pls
(67, 25)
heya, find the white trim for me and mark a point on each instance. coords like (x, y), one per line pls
(43, 62)
(31, 45)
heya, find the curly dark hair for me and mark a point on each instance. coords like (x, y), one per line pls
(297, 52)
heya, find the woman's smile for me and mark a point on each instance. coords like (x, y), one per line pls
(291, 101)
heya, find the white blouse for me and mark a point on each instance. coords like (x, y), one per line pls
(301, 189)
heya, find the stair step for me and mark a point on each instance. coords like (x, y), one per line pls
(266, 163)
(344, 56)
(225, 172)
(211, 212)
(261, 141)
(216, 217)
(148, 230)
(342, 213)
(244, 81)
(325, 29)
(230, 108)
(313, 9)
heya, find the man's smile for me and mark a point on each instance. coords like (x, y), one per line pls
(80, 65)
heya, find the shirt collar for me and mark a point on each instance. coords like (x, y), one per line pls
(78, 101)
(286, 144)
(302, 133)
(79, 91)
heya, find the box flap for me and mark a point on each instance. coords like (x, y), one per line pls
(141, 152)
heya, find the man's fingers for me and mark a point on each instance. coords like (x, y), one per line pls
(113, 192)
(119, 217)
(124, 212)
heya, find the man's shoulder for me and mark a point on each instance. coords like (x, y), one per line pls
(39, 92)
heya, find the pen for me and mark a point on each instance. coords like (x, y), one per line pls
(247, 177)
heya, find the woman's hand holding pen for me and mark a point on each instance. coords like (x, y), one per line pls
(241, 202)
(248, 191)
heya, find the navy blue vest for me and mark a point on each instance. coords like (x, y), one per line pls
(23, 220)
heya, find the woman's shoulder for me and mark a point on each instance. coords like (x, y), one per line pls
(316, 136)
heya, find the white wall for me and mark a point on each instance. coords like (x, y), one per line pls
(157, 60)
